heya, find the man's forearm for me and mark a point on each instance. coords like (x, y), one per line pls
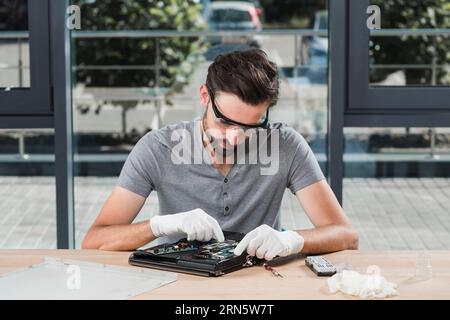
(329, 239)
(119, 237)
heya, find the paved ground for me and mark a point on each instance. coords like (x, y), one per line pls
(389, 213)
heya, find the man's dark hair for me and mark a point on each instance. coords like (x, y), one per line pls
(248, 74)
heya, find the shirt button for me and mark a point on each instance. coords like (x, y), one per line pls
(227, 208)
(225, 180)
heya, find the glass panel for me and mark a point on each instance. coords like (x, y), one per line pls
(27, 190)
(14, 45)
(397, 187)
(415, 52)
(137, 82)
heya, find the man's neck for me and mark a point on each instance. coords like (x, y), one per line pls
(222, 166)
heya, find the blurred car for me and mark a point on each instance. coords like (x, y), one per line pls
(259, 8)
(315, 51)
(318, 47)
(232, 16)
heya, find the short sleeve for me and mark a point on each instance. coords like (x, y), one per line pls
(140, 172)
(304, 169)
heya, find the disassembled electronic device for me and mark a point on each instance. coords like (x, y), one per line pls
(195, 257)
(320, 266)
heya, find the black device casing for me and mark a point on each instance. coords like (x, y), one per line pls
(186, 263)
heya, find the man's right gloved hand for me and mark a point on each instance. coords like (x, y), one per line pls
(196, 224)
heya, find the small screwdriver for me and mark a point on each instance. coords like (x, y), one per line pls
(274, 272)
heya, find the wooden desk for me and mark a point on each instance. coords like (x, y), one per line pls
(256, 283)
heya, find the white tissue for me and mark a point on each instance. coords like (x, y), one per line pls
(366, 286)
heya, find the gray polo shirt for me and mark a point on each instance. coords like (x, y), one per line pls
(241, 201)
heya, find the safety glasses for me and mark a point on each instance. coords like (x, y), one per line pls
(227, 121)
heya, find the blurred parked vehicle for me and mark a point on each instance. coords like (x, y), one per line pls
(233, 16)
(315, 51)
(318, 48)
(259, 8)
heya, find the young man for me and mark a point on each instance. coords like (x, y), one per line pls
(199, 199)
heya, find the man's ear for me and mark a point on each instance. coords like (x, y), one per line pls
(204, 96)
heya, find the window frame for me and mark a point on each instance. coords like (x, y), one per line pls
(363, 96)
(37, 99)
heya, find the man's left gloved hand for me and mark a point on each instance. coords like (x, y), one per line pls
(267, 243)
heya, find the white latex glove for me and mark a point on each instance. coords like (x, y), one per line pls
(196, 224)
(267, 243)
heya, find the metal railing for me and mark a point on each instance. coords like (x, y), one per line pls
(297, 34)
(409, 32)
(21, 37)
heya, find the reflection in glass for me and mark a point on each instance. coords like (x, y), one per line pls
(397, 152)
(396, 187)
(14, 45)
(148, 76)
(417, 54)
(27, 189)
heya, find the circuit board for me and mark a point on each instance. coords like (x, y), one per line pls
(201, 250)
(217, 251)
(181, 246)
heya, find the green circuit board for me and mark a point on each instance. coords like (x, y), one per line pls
(200, 250)
(181, 246)
(217, 251)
